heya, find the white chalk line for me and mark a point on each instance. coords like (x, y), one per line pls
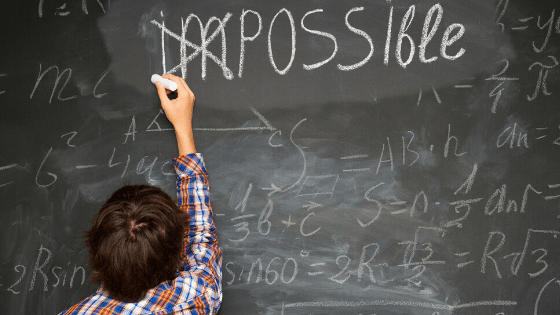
(384, 302)
(501, 79)
(317, 264)
(199, 50)
(231, 129)
(357, 170)
(85, 166)
(364, 35)
(423, 263)
(7, 167)
(461, 265)
(259, 115)
(245, 216)
(354, 156)
(218, 129)
(462, 254)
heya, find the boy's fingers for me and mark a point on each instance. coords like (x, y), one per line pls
(181, 91)
(181, 84)
(162, 92)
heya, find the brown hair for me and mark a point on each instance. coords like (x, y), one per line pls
(136, 241)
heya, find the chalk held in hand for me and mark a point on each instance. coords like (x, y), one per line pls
(168, 84)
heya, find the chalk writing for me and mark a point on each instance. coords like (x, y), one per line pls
(52, 175)
(43, 270)
(448, 143)
(512, 136)
(501, 9)
(201, 49)
(71, 135)
(361, 33)
(245, 38)
(58, 77)
(335, 187)
(324, 34)
(537, 302)
(7, 167)
(548, 26)
(432, 21)
(62, 10)
(397, 303)
(541, 81)
(497, 91)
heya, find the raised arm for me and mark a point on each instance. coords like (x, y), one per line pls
(202, 254)
(179, 111)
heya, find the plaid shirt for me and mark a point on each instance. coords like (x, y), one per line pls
(197, 289)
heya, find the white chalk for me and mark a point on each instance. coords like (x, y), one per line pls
(168, 84)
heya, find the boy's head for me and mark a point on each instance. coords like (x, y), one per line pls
(136, 241)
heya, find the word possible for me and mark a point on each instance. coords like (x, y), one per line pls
(431, 24)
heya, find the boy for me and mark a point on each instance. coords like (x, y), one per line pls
(149, 255)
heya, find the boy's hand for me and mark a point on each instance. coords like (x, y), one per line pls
(179, 112)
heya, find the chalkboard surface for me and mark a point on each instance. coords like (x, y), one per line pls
(365, 157)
